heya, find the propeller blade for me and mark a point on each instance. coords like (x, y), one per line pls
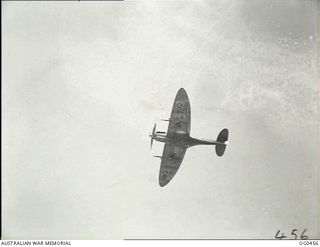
(151, 142)
(152, 135)
(154, 129)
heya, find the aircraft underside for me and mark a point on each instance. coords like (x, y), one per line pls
(185, 141)
(177, 138)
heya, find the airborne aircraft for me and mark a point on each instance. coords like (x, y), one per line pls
(178, 139)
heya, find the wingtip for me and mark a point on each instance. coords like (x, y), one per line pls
(182, 92)
(163, 183)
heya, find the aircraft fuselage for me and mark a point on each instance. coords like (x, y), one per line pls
(183, 139)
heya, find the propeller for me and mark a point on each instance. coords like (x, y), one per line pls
(152, 135)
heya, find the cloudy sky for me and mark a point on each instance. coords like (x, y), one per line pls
(84, 82)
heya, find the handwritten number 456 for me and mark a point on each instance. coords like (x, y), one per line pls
(293, 233)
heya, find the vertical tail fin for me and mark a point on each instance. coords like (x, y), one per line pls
(223, 138)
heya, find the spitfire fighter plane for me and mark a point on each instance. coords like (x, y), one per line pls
(178, 139)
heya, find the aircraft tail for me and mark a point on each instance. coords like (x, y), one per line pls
(222, 138)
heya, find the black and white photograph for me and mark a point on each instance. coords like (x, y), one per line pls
(159, 120)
